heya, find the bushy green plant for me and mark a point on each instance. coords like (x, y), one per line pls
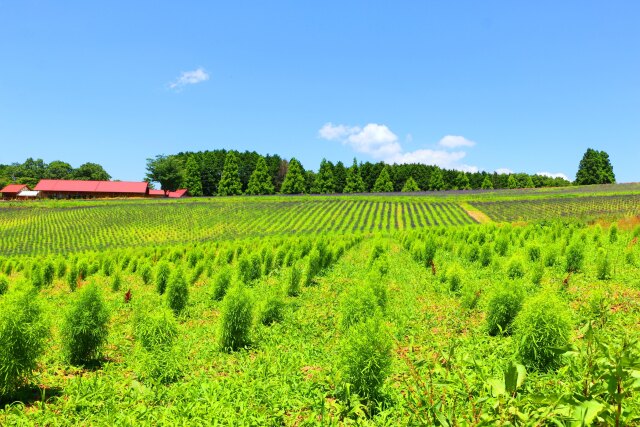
(313, 267)
(454, 278)
(82, 267)
(155, 331)
(271, 310)
(534, 252)
(613, 233)
(235, 320)
(502, 308)
(196, 272)
(85, 326)
(502, 245)
(486, 255)
(145, 273)
(575, 257)
(116, 282)
(430, 248)
(72, 277)
(4, 284)
(470, 295)
(163, 271)
(357, 304)
(603, 265)
(515, 268)
(48, 272)
(540, 328)
(537, 272)
(177, 291)
(221, 283)
(365, 359)
(36, 276)
(61, 268)
(23, 334)
(550, 257)
(292, 284)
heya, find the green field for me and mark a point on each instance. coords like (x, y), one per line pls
(347, 310)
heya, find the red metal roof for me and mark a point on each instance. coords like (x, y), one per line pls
(156, 192)
(76, 186)
(13, 188)
(178, 193)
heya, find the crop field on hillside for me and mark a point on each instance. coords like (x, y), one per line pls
(315, 311)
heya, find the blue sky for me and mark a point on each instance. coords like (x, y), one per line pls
(489, 85)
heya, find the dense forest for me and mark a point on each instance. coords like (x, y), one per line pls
(202, 172)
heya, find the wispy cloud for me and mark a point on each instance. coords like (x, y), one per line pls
(554, 175)
(189, 78)
(379, 142)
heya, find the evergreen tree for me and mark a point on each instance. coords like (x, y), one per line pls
(260, 181)
(528, 182)
(229, 184)
(462, 181)
(512, 183)
(410, 185)
(436, 181)
(595, 168)
(294, 182)
(324, 182)
(383, 183)
(487, 184)
(192, 180)
(353, 181)
(339, 177)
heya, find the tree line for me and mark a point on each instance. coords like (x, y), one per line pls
(31, 171)
(223, 172)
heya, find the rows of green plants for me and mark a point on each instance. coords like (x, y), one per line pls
(474, 325)
(583, 208)
(60, 229)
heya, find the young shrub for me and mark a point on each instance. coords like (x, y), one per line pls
(630, 257)
(430, 248)
(534, 252)
(145, 273)
(379, 288)
(116, 282)
(365, 359)
(48, 272)
(235, 320)
(196, 273)
(377, 251)
(515, 268)
(502, 245)
(454, 278)
(551, 257)
(537, 272)
(61, 268)
(575, 257)
(155, 332)
(23, 334)
(502, 308)
(613, 233)
(542, 326)
(357, 304)
(271, 310)
(107, 267)
(380, 266)
(598, 307)
(473, 252)
(163, 271)
(292, 284)
(603, 265)
(82, 267)
(486, 255)
(85, 326)
(221, 283)
(470, 295)
(314, 265)
(177, 291)
(8, 268)
(267, 263)
(4, 284)
(72, 277)
(37, 278)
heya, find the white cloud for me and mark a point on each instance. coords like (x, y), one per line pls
(455, 141)
(379, 142)
(504, 171)
(554, 175)
(189, 78)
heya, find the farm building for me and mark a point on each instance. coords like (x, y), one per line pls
(75, 189)
(11, 191)
(171, 194)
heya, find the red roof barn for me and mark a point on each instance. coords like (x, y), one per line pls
(67, 189)
(11, 191)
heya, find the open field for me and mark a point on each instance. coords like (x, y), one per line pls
(360, 310)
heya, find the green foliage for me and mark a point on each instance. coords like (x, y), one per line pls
(486, 183)
(410, 185)
(221, 283)
(72, 277)
(357, 304)
(515, 268)
(146, 273)
(540, 328)
(177, 291)
(503, 306)
(324, 182)
(229, 184)
(85, 326)
(575, 257)
(534, 252)
(4, 284)
(512, 183)
(235, 320)
(260, 180)
(292, 284)
(116, 282)
(454, 278)
(36, 276)
(163, 271)
(436, 180)
(462, 181)
(613, 233)
(365, 359)
(470, 295)
(192, 180)
(595, 168)
(271, 310)
(294, 181)
(167, 170)
(603, 265)
(48, 272)
(383, 184)
(23, 334)
(354, 182)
